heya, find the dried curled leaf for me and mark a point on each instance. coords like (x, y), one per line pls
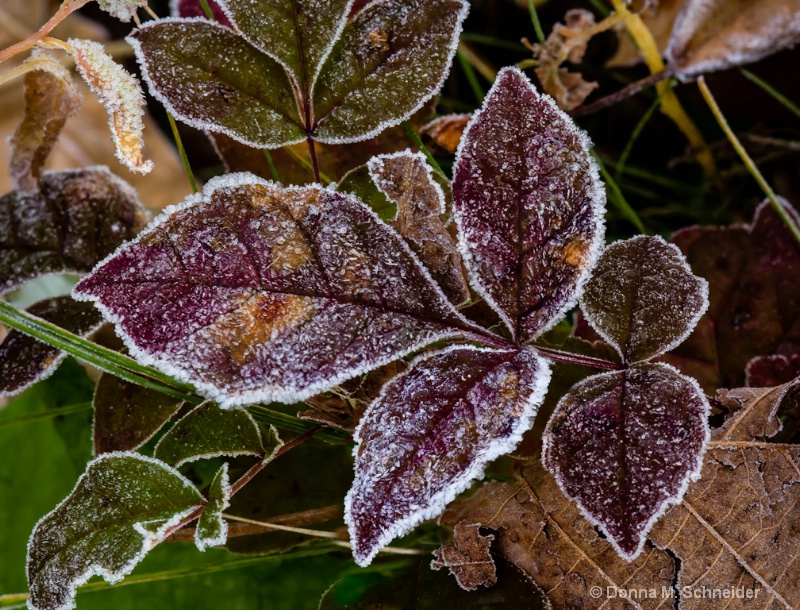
(208, 431)
(443, 134)
(24, 360)
(624, 445)
(643, 297)
(759, 412)
(529, 206)
(254, 292)
(421, 443)
(50, 99)
(121, 507)
(122, 97)
(567, 42)
(127, 415)
(124, 10)
(720, 34)
(76, 219)
(468, 557)
(212, 529)
(407, 180)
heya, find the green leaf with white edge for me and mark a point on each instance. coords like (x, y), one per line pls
(121, 507)
(212, 529)
(209, 431)
(358, 182)
(127, 415)
(297, 33)
(211, 78)
(390, 59)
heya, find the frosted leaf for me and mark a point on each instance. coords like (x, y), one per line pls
(297, 33)
(643, 297)
(213, 79)
(121, 507)
(253, 292)
(406, 179)
(431, 432)
(127, 415)
(358, 182)
(529, 206)
(208, 431)
(468, 557)
(50, 99)
(24, 360)
(123, 10)
(194, 8)
(77, 218)
(719, 34)
(212, 529)
(122, 97)
(391, 58)
(625, 445)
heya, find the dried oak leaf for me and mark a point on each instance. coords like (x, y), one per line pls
(468, 557)
(754, 301)
(567, 42)
(719, 34)
(544, 534)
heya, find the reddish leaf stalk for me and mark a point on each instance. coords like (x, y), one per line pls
(312, 155)
(622, 94)
(68, 7)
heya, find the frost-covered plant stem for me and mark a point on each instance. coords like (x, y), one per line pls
(67, 7)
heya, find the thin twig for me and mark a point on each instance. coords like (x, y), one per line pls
(68, 7)
(312, 155)
(622, 94)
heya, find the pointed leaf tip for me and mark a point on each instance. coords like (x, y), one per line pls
(529, 206)
(431, 432)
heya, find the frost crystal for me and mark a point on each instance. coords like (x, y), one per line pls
(212, 529)
(122, 97)
(123, 10)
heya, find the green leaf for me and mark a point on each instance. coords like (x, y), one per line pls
(127, 415)
(297, 33)
(391, 58)
(209, 431)
(358, 182)
(211, 78)
(212, 529)
(122, 506)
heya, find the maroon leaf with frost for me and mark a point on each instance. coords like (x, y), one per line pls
(431, 432)
(253, 292)
(529, 206)
(625, 445)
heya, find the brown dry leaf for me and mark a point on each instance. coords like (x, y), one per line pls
(719, 34)
(658, 16)
(468, 557)
(758, 412)
(443, 134)
(565, 43)
(50, 99)
(545, 535)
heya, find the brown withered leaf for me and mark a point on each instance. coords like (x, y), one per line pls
(468, 557)
(50, 99)
(713, 35)
(760, 412)
(567, 42)
(658, 16)
(443, 134)
(754, 301)
(544, 534)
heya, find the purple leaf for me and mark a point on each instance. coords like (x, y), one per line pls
(253, 292)
(431, 432)
(194, 8)
(625, 445)
(643, 297)
(529, 206)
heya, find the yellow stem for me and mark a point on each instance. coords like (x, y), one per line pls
(670, 105)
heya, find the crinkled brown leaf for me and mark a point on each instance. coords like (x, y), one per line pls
(754, 301)
(50, 99)
(718, 34)
(127, 415)
(544, 534)
(443, 134)
(468, 557)
(756, 413)
(658, 16)
(24, 360)
(567, 42)
(407, 180)
(77, 219)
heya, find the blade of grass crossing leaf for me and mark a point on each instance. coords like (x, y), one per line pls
(49, 414)
(537, 26)
(305, 164)
(491, 41)
(472, 76)
(288, 422)
(623, 158)
(618, 198)
(182, 152)
(273, 170)
(782, 99)
(748, 162)
(207, 10)
(418, 143)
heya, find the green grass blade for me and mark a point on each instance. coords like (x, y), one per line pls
(618, 198)
(779, 97)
